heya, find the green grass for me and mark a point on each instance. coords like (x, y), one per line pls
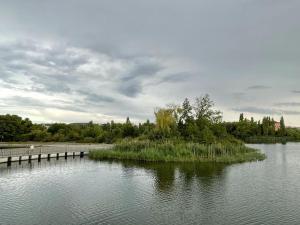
(179, 152)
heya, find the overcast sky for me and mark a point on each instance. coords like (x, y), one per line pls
(102, 60)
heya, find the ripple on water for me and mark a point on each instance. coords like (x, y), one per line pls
(87, 192)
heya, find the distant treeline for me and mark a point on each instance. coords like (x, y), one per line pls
(14, 128)
(197, 122)
(265, 131)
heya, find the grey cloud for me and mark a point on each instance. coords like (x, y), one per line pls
(54, 74)
(239, 96)
(25, 101)
(229, 45)
(144, 69)
(131, 89)
(53, 83)
(229, 40)
(291, 112)
(296, 91)
(34, 103)
(287, 104)
(8, 80)
(252, 109)
(34, 52)
(177, 77)
(266, 111)
(96, 98)
(35, 63)
(170, 78)
(258, 87)
(55, 70)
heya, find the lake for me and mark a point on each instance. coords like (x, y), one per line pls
(81, 191)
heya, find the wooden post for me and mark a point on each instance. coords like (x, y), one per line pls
(48, 157)
(39, 157)
(29, 158)
(20, 159)
(9, 161)
(81, 154)
(66, 155)
(57, 155)
(73, 155)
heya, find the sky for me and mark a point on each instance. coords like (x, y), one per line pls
(102, 60)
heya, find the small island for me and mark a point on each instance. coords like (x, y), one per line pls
(169, 151)
(187, 133)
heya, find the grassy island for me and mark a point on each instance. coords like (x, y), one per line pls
(168, 151)
(186, 133)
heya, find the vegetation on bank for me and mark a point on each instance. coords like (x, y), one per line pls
(188, 122)
(170, 151)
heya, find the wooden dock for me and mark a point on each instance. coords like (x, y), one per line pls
(19, 152)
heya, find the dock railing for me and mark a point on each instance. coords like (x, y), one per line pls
(50, 149)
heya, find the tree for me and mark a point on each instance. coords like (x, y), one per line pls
(165, 121)
(186, 119)
(207, 136)
(128, 129)
(265, 126)
(241, 117)
(186, 111)
(13, 127)
(282, 129)
(204, 109)
(146, 128)
(178, 111)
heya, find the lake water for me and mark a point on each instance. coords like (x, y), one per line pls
(80, 191)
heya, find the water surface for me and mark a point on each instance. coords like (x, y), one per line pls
(80, 191)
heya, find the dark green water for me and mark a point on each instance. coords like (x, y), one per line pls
(80, 191)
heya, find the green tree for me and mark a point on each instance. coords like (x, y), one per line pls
(204, 109)
(13, 127)
(186, 112)
(165, 121)
(128, 129)
(241, 117)
(207, 136)
(282, 129)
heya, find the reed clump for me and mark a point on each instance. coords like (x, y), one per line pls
(169, 151)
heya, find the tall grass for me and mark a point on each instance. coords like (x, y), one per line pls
(178, 152)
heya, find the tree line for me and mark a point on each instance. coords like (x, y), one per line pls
(262, 131)
(14, 128)
(194, 122)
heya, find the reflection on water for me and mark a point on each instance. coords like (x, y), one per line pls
(81, 191)
(165, 174)
(35, 164)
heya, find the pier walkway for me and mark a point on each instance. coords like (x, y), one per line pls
(36, 151)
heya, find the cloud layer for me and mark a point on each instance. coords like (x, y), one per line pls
(40, 75)
(76, 61)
